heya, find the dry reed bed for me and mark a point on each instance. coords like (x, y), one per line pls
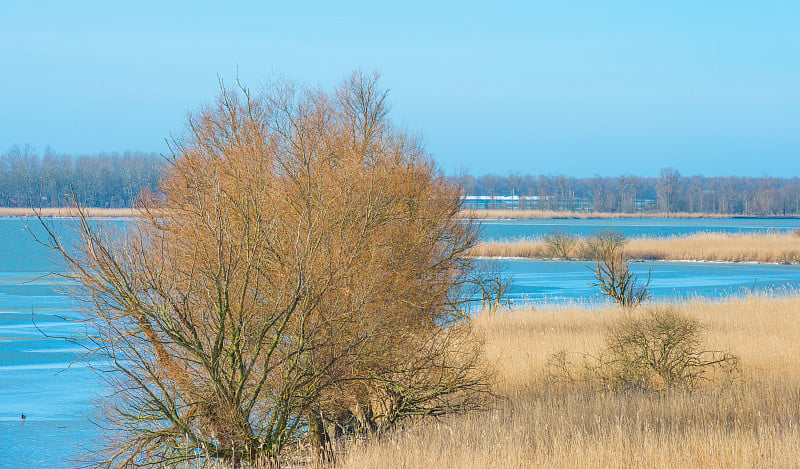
(720, 247)
(507, 214)
(750, 422)
(772, 247)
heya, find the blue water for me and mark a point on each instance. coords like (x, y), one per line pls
(553, 281)
(42, 376)
(633, 227)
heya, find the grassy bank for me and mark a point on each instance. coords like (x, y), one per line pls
(66, 212)
(751, 421)
(550, 214)
(720, 247)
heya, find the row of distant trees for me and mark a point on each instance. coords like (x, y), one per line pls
(29, 179)
(114, 180)
(669, 192)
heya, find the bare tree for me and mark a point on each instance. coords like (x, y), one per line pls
(302, 266)
(560, 244)
(658, 349)
(612, 274)
(667, 189)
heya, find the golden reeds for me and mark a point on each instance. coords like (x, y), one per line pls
(750, 422)
(767, 247)
(719, 247)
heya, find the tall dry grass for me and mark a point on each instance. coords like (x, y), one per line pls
(550, 214)
(749, 422)
(721, 247)
(768, 247)
(532, 248)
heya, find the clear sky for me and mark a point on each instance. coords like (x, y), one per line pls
(579, 88)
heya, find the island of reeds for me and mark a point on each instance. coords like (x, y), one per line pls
(715, 247)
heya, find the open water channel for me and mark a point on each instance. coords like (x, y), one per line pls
(43, 377)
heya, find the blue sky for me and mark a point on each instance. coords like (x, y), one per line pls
(579, 88)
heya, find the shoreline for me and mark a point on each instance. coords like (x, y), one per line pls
(505, 214)
(677, 261)
(481, 214)
(100, 212)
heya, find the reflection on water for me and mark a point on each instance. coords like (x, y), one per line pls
(39, 376)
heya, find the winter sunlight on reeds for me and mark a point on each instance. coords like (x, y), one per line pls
(717, 247)
(749, 420)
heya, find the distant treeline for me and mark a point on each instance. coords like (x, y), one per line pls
(109, 180)
(669, 192)
(113, 180)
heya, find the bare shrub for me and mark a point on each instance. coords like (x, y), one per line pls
(560, 244)
(656, 350)
(614, 278)
(659, 349)
(612, 273)
(797, 232)
(493, 287)
(301, 267)
(604, 243)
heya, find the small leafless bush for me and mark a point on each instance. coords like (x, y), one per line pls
(612, 274)
(560, 244)
(661, 349)
(604, 243)
(797, 232)
(658, 350)
(493, 292)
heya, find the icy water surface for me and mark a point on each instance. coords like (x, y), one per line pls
(633, 227)
(554, 281)
(40, 377)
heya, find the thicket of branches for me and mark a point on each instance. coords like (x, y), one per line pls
(652, 350)
(113, 180)
(300, 273)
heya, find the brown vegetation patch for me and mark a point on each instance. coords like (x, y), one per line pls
(719, 247)
(748, 422)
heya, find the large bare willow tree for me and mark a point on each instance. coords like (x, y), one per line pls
(300, 273)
